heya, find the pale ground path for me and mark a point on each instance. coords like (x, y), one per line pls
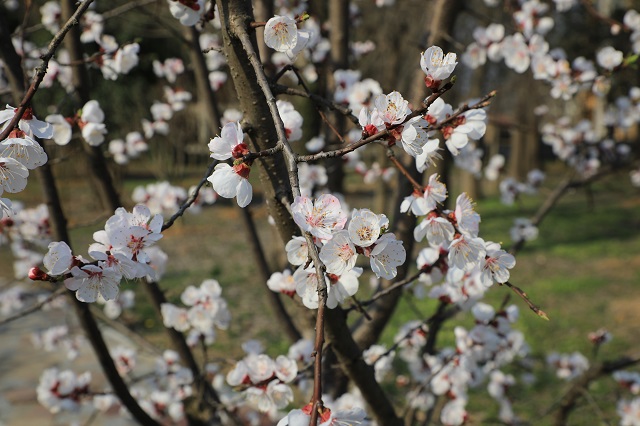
(21, 365)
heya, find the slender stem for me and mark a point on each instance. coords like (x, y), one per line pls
(404, 171)
(302, 83)
(610, 21)
(317, 99)
(383, 133)
(517, 290)
(33, 308)
(391, 288)
(183, 208)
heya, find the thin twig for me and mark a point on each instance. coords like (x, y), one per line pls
(126, 7)
(379, 135)
(302, 83)
(391, 288)
(33, 308)
(416, 185)
(517, 290)
(183, 208)
(610, 21)
(317, 99)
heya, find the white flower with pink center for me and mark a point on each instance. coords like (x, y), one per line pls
(414, 136)
(291, 119)
(516, 52)
(188, 12)
(422, 203)
(365, 227)
(436, 65)
(92, 123)
(392, 108)
(436, 229)
(282, 282)
(130, 234)
(286, 369)
(609, 58)
(496, 265)
(386, 256)
(321, 218)
(90, 280)
(454, 412)
(342, 287)
(260, 367)
(13, 175)
(221, 147)
(439, 110)
(23, 148)
(339, 254)
(126, 58)
(61, 390)
(232, 182)
(281, 33)
(175, 317)
(297, 251)
(470, 125)
(466, 252)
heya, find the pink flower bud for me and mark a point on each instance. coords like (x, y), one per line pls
(37, 274)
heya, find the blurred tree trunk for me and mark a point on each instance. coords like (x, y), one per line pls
(98, 170)
(339, 59)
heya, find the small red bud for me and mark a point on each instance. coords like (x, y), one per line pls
(240, 150)
(369, 130)
(431, 83)
(37, 274)
(17, 133)
(242, 169)
(28, 114)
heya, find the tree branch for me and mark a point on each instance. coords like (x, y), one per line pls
(42, 69)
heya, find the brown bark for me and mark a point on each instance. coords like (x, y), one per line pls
(339, 59)
(99, 172)
(257, 118)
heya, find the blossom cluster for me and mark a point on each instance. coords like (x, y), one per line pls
(122, 250)
(527, 49)
(478, 355)
(265, 382)
(20, 152)
(325, 220)
(206, 309)
(465, 264)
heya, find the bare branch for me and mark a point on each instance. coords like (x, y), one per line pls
(183, 208)
(33, 308)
